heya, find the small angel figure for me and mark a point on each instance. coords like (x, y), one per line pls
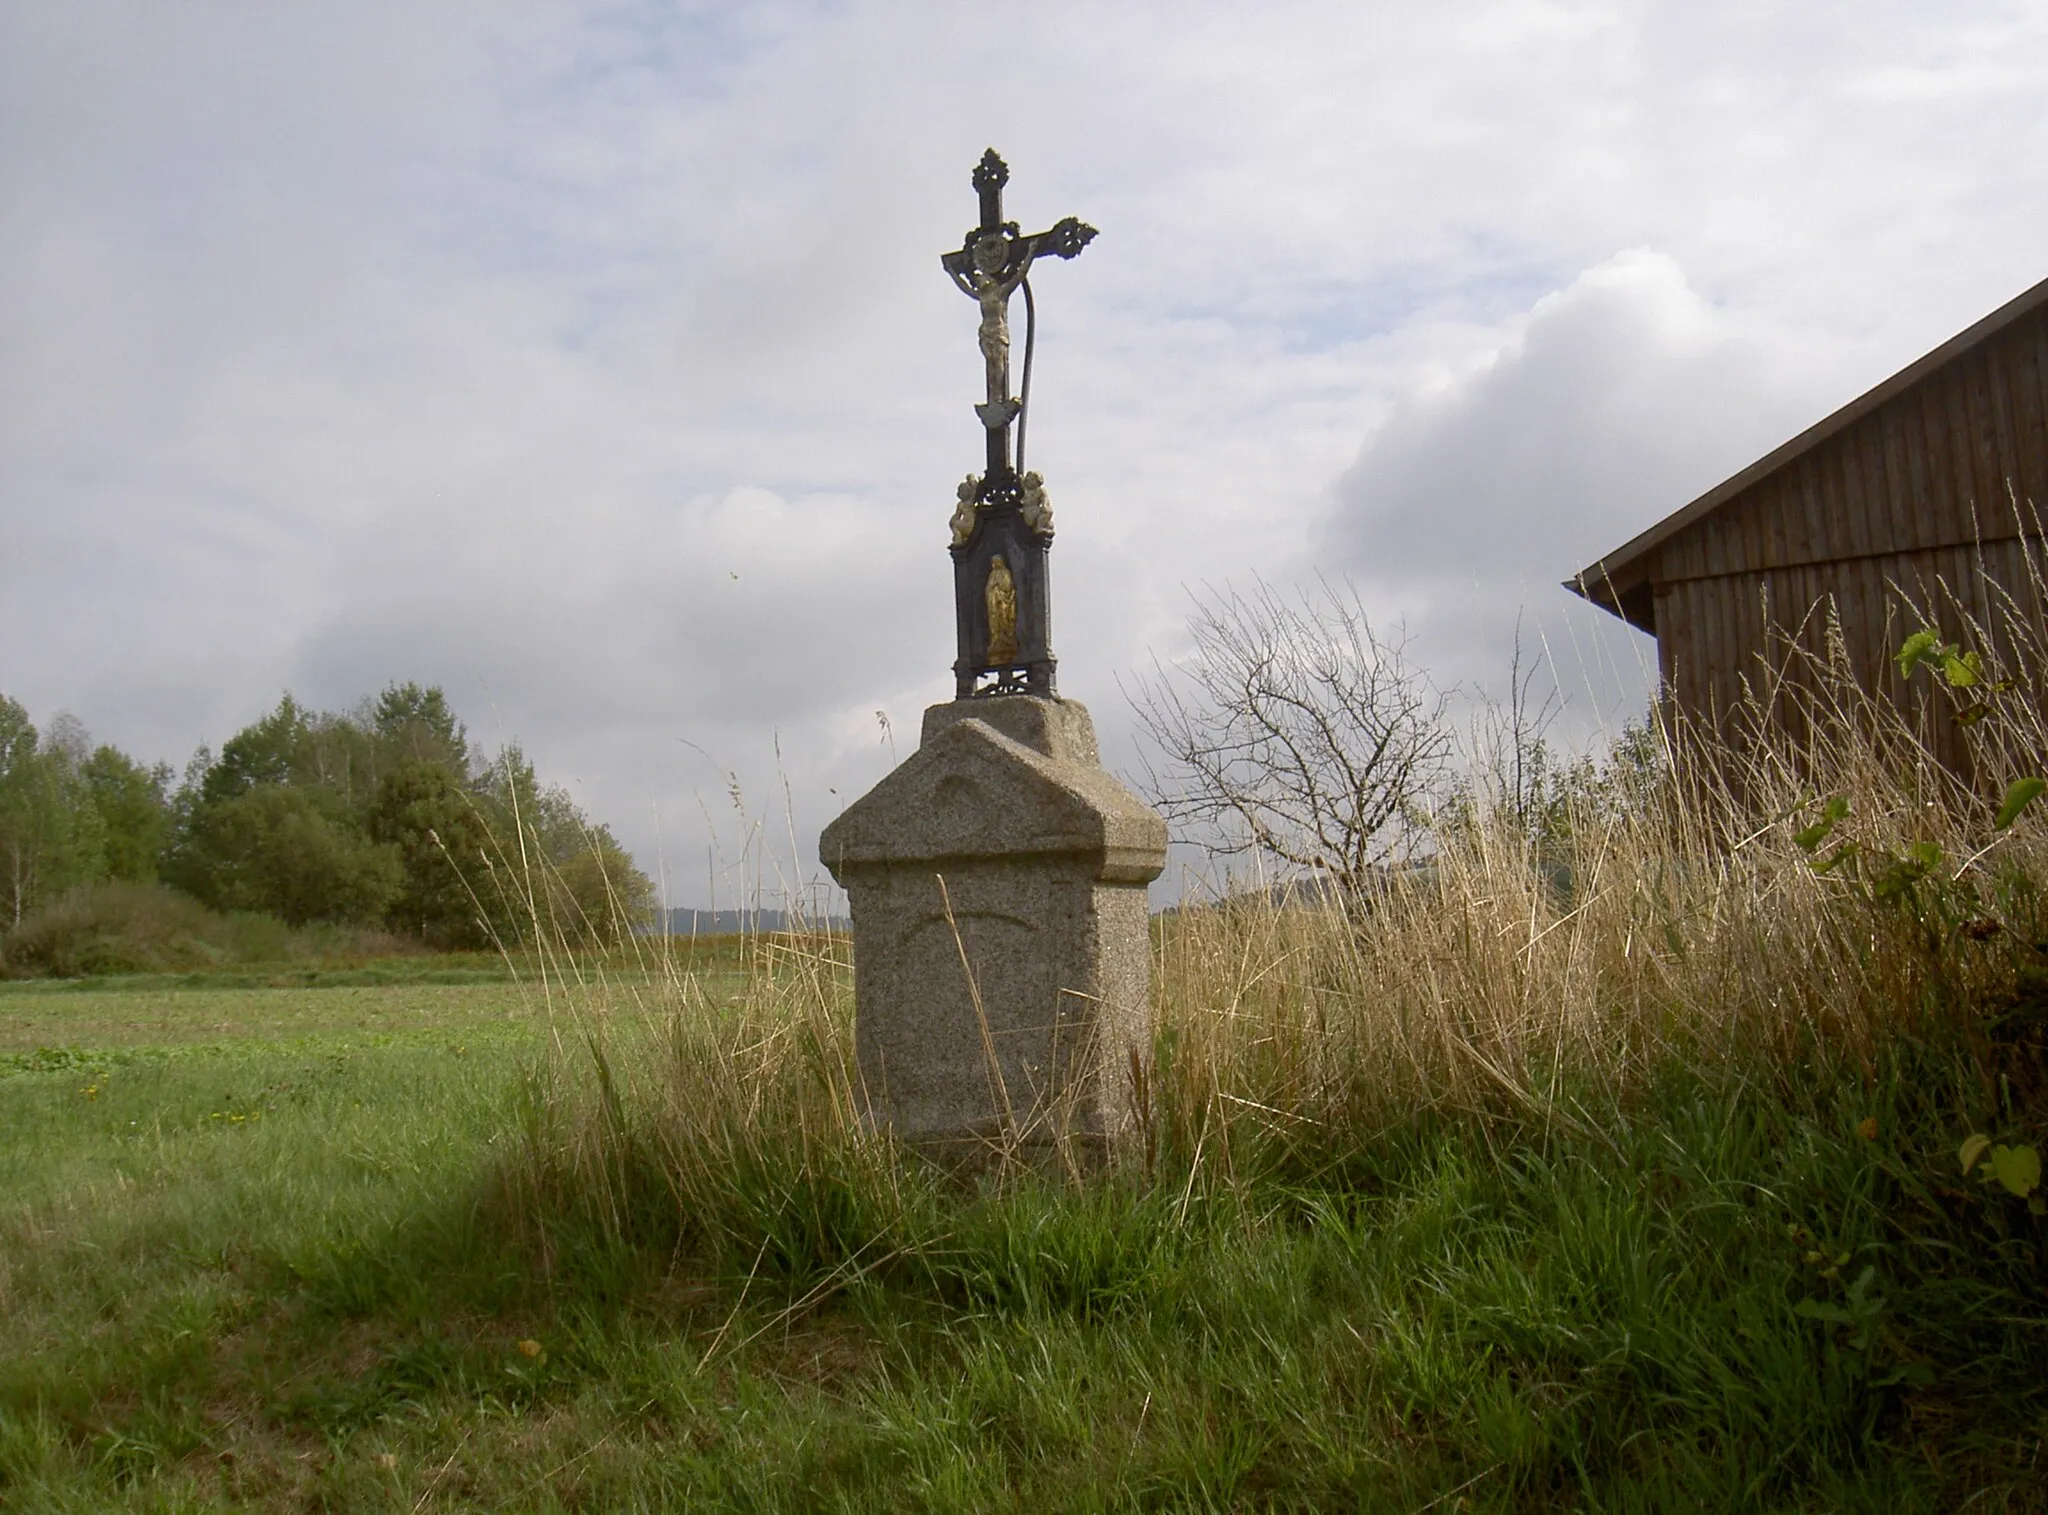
(1037, 508)
(963, 513)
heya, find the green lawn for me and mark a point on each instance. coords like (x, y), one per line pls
(270, 1248)
(35, 1017)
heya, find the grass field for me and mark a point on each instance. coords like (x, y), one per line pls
(225, 1207)
(429, 1246)
(1683, 1157)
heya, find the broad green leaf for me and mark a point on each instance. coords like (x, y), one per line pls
(1974, 1146)
(2017, 1168)
(1834, 859)
(2022, 794)
(1962, 672)
(1916, 649)
(1831, 815)
(1900, 874)
(1818, 1309)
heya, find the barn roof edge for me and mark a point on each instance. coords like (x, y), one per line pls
(1607, 580)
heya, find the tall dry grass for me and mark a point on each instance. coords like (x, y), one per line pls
(1677, 911)
(1746, 895)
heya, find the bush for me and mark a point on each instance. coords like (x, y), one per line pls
(287, 850)
(146, 928)
(421, 811)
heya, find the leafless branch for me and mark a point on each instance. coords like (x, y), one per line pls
(1293, 729)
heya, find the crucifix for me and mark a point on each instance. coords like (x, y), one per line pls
(1002, 527)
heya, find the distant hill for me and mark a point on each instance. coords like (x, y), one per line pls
(688, 922)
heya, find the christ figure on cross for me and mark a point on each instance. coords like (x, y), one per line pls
(992, 279)
(990, 265)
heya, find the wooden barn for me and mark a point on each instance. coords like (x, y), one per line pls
(1925, 495)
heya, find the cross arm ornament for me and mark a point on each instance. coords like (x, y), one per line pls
(1064, 239)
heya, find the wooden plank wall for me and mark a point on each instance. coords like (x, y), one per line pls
(1960, 457)
(1726, 640)
(1922, 508)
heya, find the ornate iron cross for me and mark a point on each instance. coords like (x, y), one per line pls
(1002, 527)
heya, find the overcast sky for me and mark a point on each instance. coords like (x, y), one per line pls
(594, 361)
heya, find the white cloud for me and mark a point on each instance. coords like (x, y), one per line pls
(482, 343)
(1613, 402)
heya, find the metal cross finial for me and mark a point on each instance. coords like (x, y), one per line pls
(989, 266)
(991, 173)
(1003, 525)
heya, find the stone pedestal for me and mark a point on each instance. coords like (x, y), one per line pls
(1001, 947)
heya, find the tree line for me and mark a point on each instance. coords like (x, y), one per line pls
(382, 815)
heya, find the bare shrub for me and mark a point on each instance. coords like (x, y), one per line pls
(1294, 730)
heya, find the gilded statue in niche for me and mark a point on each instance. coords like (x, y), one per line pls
(1000, 595)
(963, 513)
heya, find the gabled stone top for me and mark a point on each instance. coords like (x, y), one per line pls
(973, 792)
(1061, 729)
